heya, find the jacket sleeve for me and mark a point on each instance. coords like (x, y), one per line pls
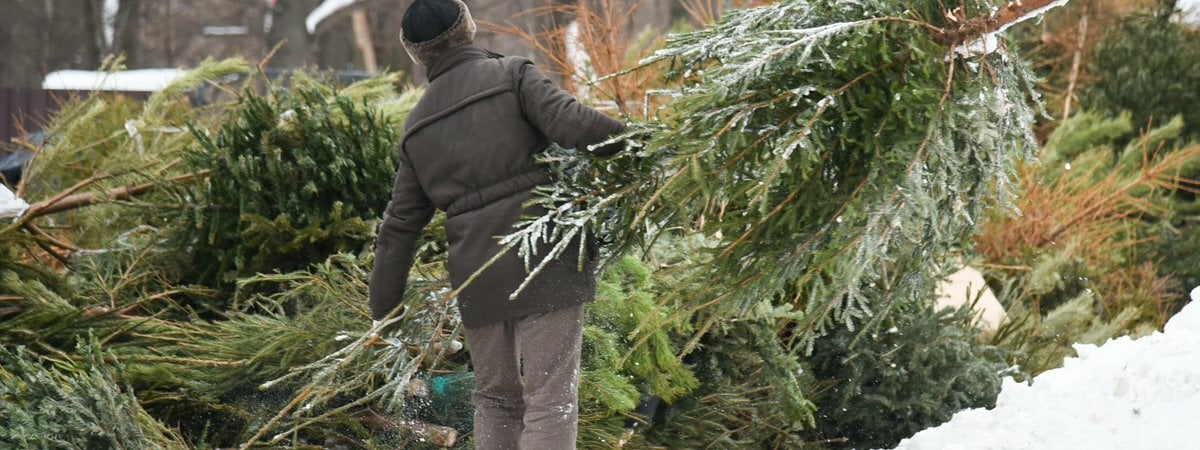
(405, 218)
(561, 118)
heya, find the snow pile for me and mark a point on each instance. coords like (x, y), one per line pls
(1126, 394)
(141, 80)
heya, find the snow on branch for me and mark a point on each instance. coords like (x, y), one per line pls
(325, 10)
(1014, 12)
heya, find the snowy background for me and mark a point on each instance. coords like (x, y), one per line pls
(1124, 394)
(1190, 11)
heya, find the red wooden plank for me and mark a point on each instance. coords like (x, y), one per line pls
(6, 115)
(21, 100)
(40, 106)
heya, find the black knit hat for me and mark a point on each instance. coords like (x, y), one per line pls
(431, 27)
(427, 19)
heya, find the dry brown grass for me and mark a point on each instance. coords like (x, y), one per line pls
(707, 12)
(1092, 217)
(704, 12)
(1085, 207)
(605, 32)
(608, 35)
(1063, 43)
(1140, 286)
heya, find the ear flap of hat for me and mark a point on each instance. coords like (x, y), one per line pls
(459, 34)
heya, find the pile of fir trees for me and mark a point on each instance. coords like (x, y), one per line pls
(1104, 246)
(1079, 265)
(1165, 97)
(775, 233)
(156, 263)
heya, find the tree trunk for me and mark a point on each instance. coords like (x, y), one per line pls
(93, 23)
(362, 39)
(125, 31)
(287, 25)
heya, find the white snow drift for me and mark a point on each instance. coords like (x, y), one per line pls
(1125, 394)
(141, 80)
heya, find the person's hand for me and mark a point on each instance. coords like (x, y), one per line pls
(377, 326)
(373, 333)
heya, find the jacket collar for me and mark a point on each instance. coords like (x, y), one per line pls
(454, 57)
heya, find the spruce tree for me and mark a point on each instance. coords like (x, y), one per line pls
(294, 176)
(836, 151)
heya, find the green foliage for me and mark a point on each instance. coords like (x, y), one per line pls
(294, 176)
(1150, 66)
(101, 141)
(1175, 246)
(72, 406)
(42, 311)
(751, 394)
(95, 124)
(221, 382)
(304, 342)
(232, 378)
(624, 360)
(12, 263)
(1053, 306)
(624, 314)
(1089, 147)
(1099, 145)
(1083, 132)
(160, 102)
(1039, 342)
(896, 382)
(734, 387)
(52, 313)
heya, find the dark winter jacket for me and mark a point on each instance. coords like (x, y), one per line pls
(468, 150)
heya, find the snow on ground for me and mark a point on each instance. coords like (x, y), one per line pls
(1125, 394)
(142, 80)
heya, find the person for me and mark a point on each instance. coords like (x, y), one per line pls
(468, 149)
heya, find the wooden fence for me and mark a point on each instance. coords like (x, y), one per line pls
(30, 107)
(27, 107)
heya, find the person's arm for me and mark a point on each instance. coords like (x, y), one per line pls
(563, 119)
(405, 218)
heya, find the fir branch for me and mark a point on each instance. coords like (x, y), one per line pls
(64, 202)
(821, 173)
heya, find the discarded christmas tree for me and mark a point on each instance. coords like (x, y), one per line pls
(837, 152)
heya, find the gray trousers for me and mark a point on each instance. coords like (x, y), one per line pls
(527, 381)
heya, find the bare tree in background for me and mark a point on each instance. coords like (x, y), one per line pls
(287, 30)
(41, 36)
(125, 30)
